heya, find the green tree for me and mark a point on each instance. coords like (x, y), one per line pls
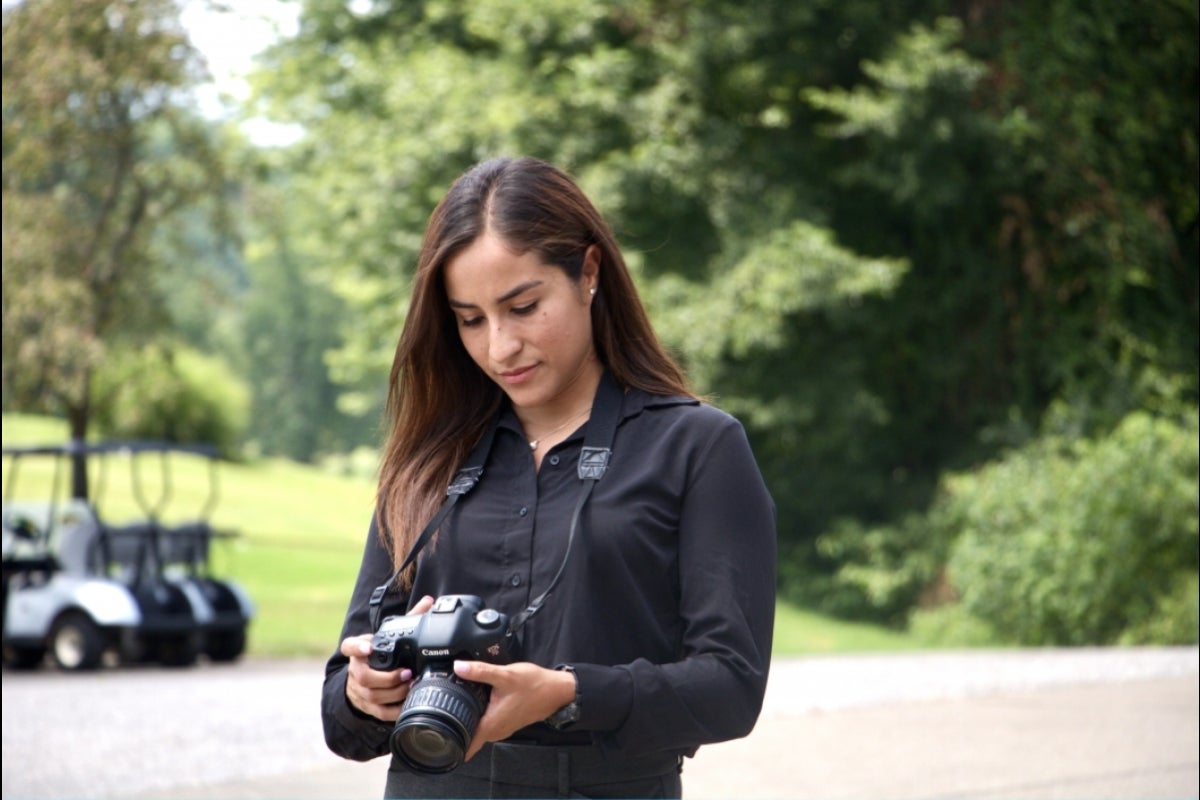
(290, 322)
(888, 236)
(1103, 226)
(101, 147)
(684, 121)
(1053, 251)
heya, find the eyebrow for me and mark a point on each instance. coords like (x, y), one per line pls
(509, 295)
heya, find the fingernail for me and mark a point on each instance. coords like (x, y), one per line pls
(406, 675)
(462, 668)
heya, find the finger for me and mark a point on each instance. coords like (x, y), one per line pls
(356, 646)
(361, 674)
(495, 725)
(423, 605)
(477, 671)
(375, 679)
(379, 694)
(476, 745)
(388, 712)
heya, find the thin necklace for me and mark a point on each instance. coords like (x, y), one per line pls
(533, 443)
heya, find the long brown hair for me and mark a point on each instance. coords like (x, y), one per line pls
(439, 401)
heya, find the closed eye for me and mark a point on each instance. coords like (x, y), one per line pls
(470, 322)
(526, 309)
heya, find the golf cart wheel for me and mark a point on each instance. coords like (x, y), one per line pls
(76, 642)
(23, 658)
(225, 646)
(177, 650)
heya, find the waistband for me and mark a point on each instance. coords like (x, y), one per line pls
(563, 767)
(542, 734)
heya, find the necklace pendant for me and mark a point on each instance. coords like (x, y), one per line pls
(533, 443)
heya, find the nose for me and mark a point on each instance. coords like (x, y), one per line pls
(503, 343)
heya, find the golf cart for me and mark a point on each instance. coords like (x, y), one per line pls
(79, 586)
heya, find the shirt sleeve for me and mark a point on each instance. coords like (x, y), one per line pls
(727, 554)
(349, 732)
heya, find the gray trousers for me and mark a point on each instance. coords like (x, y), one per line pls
(526, 770)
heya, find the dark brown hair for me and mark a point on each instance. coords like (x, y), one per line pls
(439, 401)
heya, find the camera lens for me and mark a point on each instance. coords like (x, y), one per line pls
(437, 722)
(428, 745)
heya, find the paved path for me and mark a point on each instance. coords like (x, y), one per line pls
(1086, 723)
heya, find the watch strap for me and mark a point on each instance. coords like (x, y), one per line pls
(569, 714)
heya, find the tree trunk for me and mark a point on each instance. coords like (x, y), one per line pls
(77, 419)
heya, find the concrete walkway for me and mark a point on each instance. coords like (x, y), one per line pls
(1040, 724)
(1129, 740)
(1095, 723)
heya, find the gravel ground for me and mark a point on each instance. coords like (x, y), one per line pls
(154, 732)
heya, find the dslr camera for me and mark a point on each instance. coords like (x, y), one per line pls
(442, 711)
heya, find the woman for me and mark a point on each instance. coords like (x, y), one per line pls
(525, 335)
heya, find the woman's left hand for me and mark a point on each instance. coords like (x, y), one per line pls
(522, 694)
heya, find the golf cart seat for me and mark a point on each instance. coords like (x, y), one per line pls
(60, 536)
(186, 545)
(129, 551)
(25, 525)
(25, 532)
(75, 539)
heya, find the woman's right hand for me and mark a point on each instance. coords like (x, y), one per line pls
(374, 692)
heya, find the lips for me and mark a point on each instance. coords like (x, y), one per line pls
(513, 377)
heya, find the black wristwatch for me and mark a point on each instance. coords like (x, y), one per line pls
(568, 715)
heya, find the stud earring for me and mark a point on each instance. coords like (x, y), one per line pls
(593, 291)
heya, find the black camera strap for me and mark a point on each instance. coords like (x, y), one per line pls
(464, 481)
(593, 463)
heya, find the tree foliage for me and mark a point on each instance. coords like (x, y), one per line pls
(888, 237)
(171, 392)
(901, 241)
(1104, 230)
(290, 318)
(100, 149)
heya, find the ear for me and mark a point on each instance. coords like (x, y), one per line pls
(589, 274)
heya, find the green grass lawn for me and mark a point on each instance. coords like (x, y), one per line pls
(300, 536)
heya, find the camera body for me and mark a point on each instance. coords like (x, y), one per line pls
(441, 712)
(457, 626)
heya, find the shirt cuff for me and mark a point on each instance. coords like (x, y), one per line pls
(605, 696)
(349, 732)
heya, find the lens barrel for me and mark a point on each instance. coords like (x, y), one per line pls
(437, 722)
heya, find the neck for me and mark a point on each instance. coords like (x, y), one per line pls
(558, 432)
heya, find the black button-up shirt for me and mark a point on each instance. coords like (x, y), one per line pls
(667, 604)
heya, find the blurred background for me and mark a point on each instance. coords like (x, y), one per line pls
(939, 257)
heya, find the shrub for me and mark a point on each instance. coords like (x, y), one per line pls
(172, 394)
(1084, 541)
(1176, 619)
(882, 571)
(950, 625)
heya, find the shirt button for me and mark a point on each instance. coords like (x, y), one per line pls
(554, 461)
(524, 510)
(515, 580)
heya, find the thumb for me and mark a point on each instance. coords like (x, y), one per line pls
(423, 605)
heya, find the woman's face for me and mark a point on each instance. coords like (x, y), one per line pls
(526, 324)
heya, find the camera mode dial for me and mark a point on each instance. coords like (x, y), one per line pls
(488, 618)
